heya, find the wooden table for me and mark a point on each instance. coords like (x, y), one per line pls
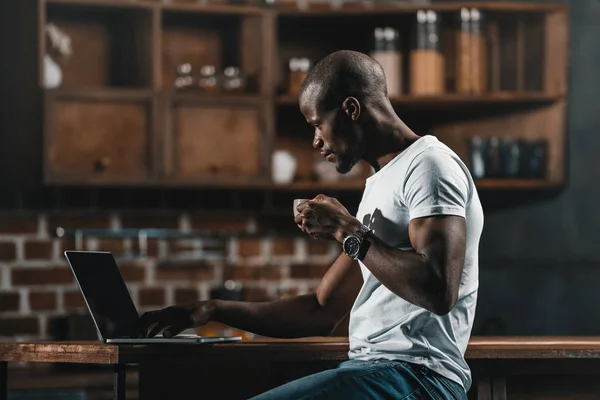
(256, 365)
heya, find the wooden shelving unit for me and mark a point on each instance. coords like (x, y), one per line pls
(117, 120)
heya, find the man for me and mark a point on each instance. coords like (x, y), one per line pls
(408, 272)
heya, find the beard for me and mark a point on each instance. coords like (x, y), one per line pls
(346, 163)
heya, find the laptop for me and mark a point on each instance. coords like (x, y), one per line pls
(109, 302)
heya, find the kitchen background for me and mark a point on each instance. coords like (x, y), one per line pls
(539, 251)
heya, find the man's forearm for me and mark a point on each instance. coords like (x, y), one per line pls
(407, 274)
(299, 316)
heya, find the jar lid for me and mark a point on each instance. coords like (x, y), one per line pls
(207, 70)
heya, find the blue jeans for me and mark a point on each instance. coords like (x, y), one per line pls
(381, 379)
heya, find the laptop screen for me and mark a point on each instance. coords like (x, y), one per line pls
(105, 292)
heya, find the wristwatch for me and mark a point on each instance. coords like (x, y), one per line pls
(355, 246)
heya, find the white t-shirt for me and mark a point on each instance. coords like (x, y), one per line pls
(425, 179)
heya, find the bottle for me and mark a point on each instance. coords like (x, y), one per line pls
(387, 53)
(477, 158)
(426, 59)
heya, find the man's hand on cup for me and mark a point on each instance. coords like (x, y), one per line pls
(325, 218)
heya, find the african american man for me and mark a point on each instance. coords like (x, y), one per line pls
(408, 268)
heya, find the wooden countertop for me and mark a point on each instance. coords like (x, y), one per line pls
(324, 349)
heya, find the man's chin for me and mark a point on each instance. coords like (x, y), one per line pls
(344, 168)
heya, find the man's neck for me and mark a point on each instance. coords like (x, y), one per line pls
(391, 137)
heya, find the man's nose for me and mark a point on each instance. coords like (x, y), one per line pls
(318, 143)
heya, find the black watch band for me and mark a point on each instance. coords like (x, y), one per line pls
(362, 233)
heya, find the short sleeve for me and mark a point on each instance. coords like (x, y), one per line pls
(436, 184)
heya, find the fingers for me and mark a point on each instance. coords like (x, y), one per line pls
(158, 329)
(148, 320)
(173, 331)
(300, 207)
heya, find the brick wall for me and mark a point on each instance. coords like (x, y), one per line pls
(36, 285)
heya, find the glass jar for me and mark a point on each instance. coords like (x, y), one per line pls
(471, 60)
(208, 80)
(427, 67)
(233, 80)
(184, 77)
(298, 70)
(387, 53)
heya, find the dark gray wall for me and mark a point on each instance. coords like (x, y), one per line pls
(540, 262)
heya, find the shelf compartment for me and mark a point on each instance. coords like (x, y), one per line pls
(103, 35)
(540, 123)
(215, 142)
(210, 36)
(98, 138)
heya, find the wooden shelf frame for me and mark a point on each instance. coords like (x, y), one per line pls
(263, 21)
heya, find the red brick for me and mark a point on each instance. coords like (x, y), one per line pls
(281, 223)
(318, 247)
(152, 220)
(256, 294)
(289, 292)
(79, 220)
(152, 297)
(68, 244)
(238, 273)
(215, 246)
(132, 272)
(185, 295)
(38, 250)
(41, 276)
(151, 247)
(73, 301)
(219, 223)
(183, 246)
(306, 271)
(19, 326)
(248, 247)
(189, 272)
(9, 301)
(18, 223)
(8, 251)
(42, 301)
(283, 247)
(115, 246)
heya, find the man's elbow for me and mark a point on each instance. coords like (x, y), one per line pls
(444, 302)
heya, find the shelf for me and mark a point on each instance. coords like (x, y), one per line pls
(216, 98)
(213, 8)
(105, 3)
(493, 183)
(100, 94)
(360, 185)
(319, 186)
(457, 99)
(357, 9)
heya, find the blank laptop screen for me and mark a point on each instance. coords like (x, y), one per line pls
(105, 292)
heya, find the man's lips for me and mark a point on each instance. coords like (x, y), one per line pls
(328, 155)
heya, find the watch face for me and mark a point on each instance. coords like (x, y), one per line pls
(352, 246)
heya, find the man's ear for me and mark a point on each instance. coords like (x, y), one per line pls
(352, 108)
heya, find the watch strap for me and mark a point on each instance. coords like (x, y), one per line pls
(361, 233)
